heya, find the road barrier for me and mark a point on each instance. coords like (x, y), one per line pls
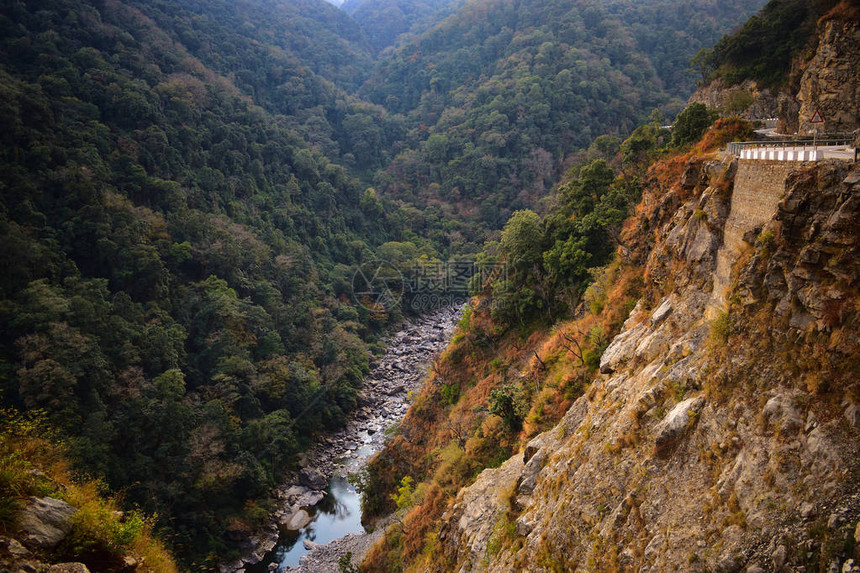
(787, 150)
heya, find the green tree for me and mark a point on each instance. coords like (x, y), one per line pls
(405, 493)
(643, 143)
(703, 63)
(691, 124)
(587, 186)
(522, 240)
(566, 263)
(509, 404)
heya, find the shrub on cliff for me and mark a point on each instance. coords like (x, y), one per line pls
(691, 124)
(725, 131)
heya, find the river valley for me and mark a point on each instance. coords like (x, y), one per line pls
(319, 515)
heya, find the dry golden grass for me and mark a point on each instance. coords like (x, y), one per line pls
(99, 527)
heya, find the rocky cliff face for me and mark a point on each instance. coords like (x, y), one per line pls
(831, 80)
(723, 444)
(746, 100)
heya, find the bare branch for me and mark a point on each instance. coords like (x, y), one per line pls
(572, 340)
(542, 363)
(459, 429)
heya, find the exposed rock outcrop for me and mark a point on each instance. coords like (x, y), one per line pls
(831, 81)
(676, 423)
(701, 448)
(746, 100)
(14, 557)
(45, 522)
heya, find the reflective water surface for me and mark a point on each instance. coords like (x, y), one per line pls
(338, 514)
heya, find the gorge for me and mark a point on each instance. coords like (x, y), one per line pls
(230, 230)
(396, 375)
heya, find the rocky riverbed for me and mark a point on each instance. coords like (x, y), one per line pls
(382, 402)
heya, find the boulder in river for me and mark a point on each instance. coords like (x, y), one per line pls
(313, 478)
(299, 520)
(309, 499)
(396, 389)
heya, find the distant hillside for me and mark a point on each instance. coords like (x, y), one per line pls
(500, 93)
(384, 21)
(666, 32)
(300, 58)
(312, 34)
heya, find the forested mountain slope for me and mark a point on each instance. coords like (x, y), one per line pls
(301, 59)
(500, 93)
(314, 35)
(176, 264)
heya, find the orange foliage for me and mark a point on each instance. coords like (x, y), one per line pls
(566, 377)
(626, 288)
(384, 556)
(667, 172)
(845, 10)
(421, 520)
(724, 131)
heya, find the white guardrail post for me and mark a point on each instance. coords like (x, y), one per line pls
(789, 150)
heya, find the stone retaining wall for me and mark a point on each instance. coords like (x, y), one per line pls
(759, 186)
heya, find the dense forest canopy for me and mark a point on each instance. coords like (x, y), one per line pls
(188, 189)
(298, 59)
(176, 265)
(498, 95)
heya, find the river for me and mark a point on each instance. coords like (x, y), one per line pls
(333, 525)
(337, 515)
